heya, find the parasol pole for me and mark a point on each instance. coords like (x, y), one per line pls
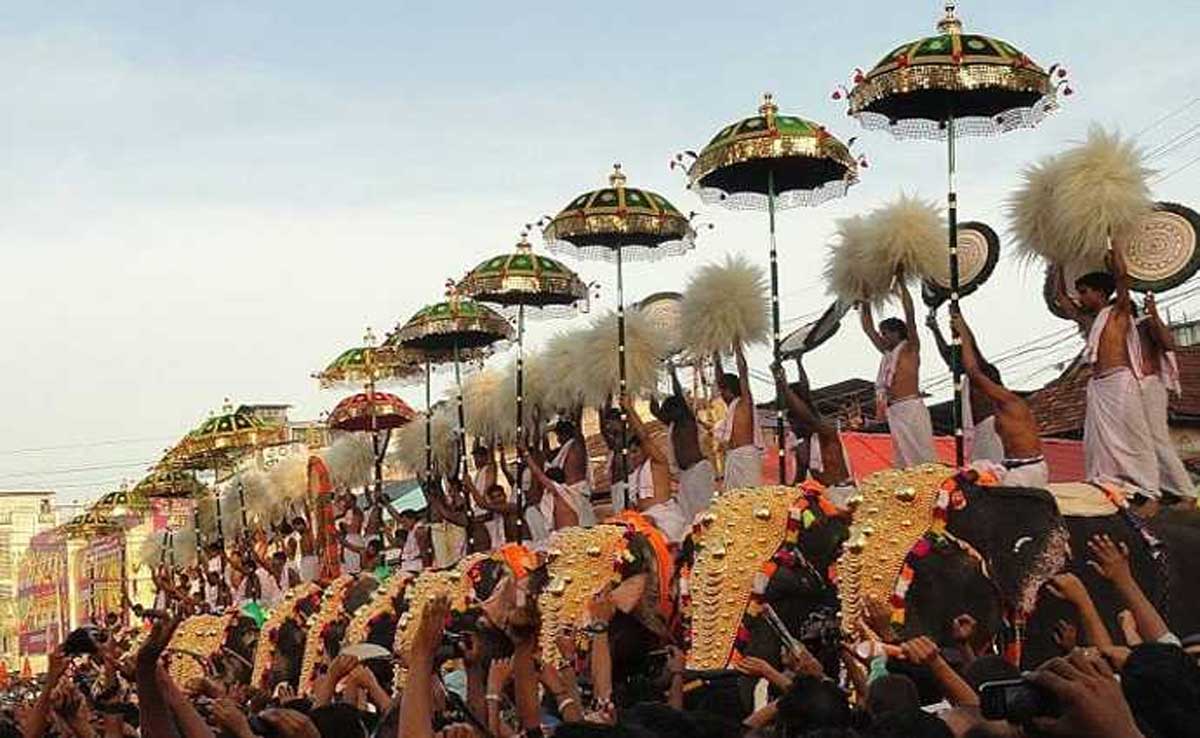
(622, 381)
(956, 345)
(428, 422)
(461, 462)
(241, 490)
(376, 450)
(776, 337)
(520, 418)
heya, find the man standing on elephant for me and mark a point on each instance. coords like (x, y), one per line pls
(827, 463)
(1160, 375)
(1024, 464)
(650, 479)
(1117, 442)
(738, 431)
(897, 391)
(686, 456)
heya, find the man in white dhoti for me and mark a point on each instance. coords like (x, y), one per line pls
(1024, 464)
(738, 431)
(897, 390)
(1160, 375)
(684, 455)
(1117, 442)
(563, 505)
(571, 456)
(650, 480)
(978, 415)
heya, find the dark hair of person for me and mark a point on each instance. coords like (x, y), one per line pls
(1161, 682)
(894, 325)
(912, 723)
(565, 428)
(557, 475)
(732, 383)
(813, 703)
(989, 668)
(1099, 281)
(338, 720)
(892, 693)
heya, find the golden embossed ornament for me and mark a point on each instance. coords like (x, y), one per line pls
(587, 562)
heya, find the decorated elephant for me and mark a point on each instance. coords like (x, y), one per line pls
(280, 650)
(754, 551)
(343, 597)
(931, 545)
(220, 646)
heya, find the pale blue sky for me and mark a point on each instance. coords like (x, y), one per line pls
(201, 200)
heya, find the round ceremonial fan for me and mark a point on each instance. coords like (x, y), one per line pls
(662, 309)
(1161, 255)
(978, 252)
(811, 335)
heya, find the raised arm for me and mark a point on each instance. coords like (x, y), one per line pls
(743, 375)
(1158, 330)
(868, 326)
(973, 366)
(797, 407)
(910, 312)
(539, 474)
(1063, 299)
(439, 505)
(652, 449)
(1121, 276)
(942, 347)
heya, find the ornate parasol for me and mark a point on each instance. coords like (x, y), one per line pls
(218, 443)
(521, 279)
(462, 327)
(949, 85)
(616, 223)
(168, 480)
(766, 162)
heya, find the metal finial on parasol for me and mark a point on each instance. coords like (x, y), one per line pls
(949, 85)
(766, 162)
(522, 279)
(615, 223)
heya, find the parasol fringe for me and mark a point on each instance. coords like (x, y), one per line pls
(723, 304)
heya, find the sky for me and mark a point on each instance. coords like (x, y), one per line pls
(201, 201)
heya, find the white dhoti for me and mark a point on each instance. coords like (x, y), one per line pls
(1173, 475)
(912, 433)
(535, 523)
(669, 517)
(1116, 437)
(1032, 473)
(309, 566)
(696, 485)
(743, 467)
(985, 441)
(449, 543)
(575, 496)
(495, 529)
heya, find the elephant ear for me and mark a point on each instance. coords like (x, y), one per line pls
(1020, 534)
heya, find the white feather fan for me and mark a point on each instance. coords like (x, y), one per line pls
(1071, 203)
(723, 304)
(851, 274)
(908, 233)
(598, 372)
(408, 446)
(561, 363)
(350, 460)
(479, 391)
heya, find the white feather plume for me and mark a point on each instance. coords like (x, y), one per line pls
(598, 370)
(561, 363)
(850, 274)
(1095, 189)
(408, 446)
(908, 233)
(723, 304)
(350, 460)
(479, 400)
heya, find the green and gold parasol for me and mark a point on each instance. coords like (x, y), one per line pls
(464, 328)
(218, 443)
(616, 223)
(522, 279)
(766, 162)
(949, 85)
(370, 364)
(122, 502)
(168, 480)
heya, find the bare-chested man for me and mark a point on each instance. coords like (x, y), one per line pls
(571, 456)
(1117, 443)
(650, 479)
(738, 431)
(828, 461)
(897, 390)
(686, 458)
(1024, 463)
(979, 422)
(563, 505)
(1160, 375)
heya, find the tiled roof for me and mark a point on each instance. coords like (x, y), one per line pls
(1059, 406)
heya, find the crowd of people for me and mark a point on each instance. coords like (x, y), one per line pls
(466, 676)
